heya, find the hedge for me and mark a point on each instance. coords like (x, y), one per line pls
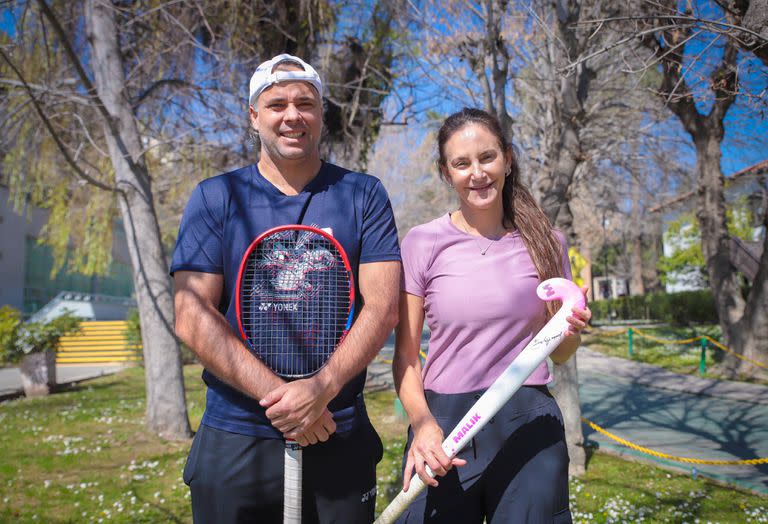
(681, 308)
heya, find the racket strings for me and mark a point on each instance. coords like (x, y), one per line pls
(295, 299)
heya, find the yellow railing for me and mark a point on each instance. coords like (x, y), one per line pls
(687, 460)
(701, 339)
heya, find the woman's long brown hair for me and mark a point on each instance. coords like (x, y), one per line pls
(520, 209)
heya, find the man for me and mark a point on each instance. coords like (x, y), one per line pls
(235, 467)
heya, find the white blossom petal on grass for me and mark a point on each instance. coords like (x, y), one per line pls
(757, 514)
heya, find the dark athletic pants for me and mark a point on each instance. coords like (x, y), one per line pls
(517, 465)
(239, 479)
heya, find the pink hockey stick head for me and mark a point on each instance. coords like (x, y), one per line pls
(561, 289)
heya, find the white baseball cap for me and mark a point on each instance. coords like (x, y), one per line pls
(265, 77)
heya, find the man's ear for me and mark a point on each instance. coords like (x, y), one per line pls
(254, 118)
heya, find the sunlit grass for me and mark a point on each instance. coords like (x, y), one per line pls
(85, 456)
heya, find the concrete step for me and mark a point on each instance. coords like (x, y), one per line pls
(98, 342)
(95, 360)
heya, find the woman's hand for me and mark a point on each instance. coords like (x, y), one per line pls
(579, 318)
(426, 450)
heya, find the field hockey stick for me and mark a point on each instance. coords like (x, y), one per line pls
(503, 387)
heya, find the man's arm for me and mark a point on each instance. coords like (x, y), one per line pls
(292, 407)
(205, 330)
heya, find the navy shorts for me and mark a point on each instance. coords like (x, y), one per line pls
(239, 479)
(517, 465)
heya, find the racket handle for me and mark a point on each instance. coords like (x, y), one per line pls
(402, 500)
(292, 483)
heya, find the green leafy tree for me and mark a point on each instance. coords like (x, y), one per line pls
(684, 238)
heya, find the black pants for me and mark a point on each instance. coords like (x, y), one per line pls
(517, 465)
(239, 479)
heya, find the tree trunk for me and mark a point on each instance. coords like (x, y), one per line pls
(166, 405)
(565, 157)
(715, 242)
(636, 286)
(756, 19)
(566, 392)
(555, 203)
(652, 246)
(743, 322)
(38, 373)
(750, 334)
(748, 337)
(554, 188)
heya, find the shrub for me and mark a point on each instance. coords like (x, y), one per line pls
(682, 308)
(10, 320)
(133, 331)
(36, 337)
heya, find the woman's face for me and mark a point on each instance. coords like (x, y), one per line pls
(476, 166)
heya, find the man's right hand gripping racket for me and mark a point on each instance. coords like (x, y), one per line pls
(504, 387)
(294, 303)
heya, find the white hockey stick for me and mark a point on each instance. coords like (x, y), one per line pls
(503, 388)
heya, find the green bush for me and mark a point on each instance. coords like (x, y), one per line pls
(686, 307)
(133, 330)
(35, 337)
(10, 320)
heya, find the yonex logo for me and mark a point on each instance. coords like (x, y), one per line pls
(368, 495)
(278, 306)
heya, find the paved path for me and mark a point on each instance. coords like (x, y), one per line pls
(680, 415)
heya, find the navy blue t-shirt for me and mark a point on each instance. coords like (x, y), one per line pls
(226, 213)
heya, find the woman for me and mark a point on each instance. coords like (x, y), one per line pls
(473, 274)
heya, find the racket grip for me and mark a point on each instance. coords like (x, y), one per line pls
(292, 483)
(402, 501)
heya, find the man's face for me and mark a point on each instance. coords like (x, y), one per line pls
(288, 118)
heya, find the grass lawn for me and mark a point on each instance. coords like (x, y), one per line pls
(84, 456)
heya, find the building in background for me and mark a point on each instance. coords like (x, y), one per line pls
(749, 184)
(25, 269)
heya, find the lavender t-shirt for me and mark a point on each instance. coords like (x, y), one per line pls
(481, 310)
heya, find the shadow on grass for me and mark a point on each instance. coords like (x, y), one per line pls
(590, 448)
(96, 385)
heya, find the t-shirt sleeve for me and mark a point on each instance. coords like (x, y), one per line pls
(199, 245)
(567, 273)
(379, 232)
(416, 249)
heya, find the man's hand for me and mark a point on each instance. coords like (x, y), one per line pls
(295, 406)
(320, 431)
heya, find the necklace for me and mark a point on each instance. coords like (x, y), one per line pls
(483, 251)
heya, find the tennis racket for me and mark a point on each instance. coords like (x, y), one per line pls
(294, 304)
(503, 388)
